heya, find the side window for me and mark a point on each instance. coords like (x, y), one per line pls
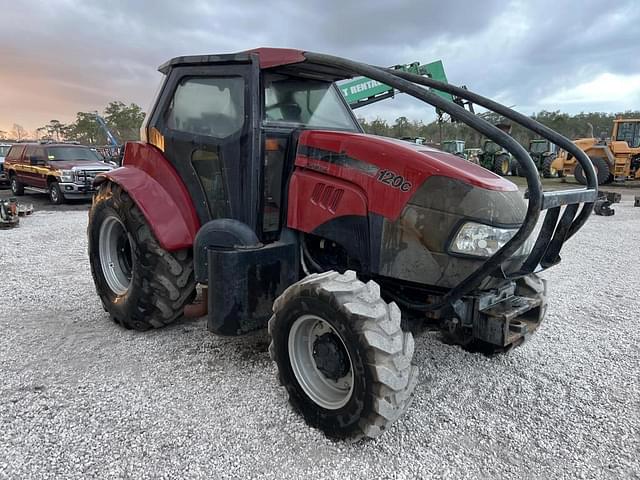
(274, 155)
(31, 150)
(210, 106)
(15, 153)
(39, 154)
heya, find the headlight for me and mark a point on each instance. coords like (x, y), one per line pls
(482, 240)
(66, 176)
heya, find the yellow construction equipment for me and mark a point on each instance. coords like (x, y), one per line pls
(615, 159)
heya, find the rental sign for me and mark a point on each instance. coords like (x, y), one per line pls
(362, 88)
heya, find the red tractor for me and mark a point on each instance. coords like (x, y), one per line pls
(255, 179)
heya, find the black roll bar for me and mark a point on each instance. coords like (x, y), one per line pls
(546, 248)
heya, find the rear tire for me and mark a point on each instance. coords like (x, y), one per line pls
(140, 284)
(547, 170)
(359, 335)
(602, 171)
(17, 187)
(502, 165)
(55, 194)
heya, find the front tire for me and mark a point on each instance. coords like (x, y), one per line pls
(342, 355)
(17, 187)
(602, 171)
(140, 284)
(55, 194)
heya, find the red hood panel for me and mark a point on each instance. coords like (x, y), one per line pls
(389, 171)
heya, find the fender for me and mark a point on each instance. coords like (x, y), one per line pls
(157, 189)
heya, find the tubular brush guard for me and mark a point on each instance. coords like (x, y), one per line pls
(493, 319)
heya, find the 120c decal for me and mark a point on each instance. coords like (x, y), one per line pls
(394, 180)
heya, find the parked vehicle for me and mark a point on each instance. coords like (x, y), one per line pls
(254, 178)
(455, 147)
(473, 154)
(495, 158)
(4, 149)
(543, 153)
(616, 159)
(61, 170)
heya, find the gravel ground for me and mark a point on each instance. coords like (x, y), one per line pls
(81, 397)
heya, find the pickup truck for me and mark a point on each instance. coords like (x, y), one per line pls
(61, 170)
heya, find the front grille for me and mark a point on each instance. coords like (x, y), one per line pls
(87, 176)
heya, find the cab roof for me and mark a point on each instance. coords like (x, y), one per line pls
(286, 60)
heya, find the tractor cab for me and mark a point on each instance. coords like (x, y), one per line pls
(455, 147)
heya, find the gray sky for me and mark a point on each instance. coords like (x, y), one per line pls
(64, 56)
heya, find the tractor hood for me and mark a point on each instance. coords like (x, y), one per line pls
(423, 196)
(390, 171)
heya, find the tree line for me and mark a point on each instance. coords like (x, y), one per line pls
(596, 124)
(123, 120)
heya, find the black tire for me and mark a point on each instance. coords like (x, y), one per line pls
(502, 165)
(548, 171)
(602, 171)
(55, 194)
(161, 282)
(380, 353)
(17, 187)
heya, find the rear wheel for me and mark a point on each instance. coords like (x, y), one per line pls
(55, 194)
(342, 355)
(502, 165)
(601, 167)
(140, 284)
(17, 187)
(548, 170)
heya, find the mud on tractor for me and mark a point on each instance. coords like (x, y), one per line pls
(255, 179)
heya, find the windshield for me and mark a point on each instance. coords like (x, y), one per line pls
(310, 103)
(629, 132)
(539, 147)
(4, 149)
(72, 153)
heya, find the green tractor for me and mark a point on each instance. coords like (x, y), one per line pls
(455, 147)
(495, 158)
(472, 155)
(543, 153)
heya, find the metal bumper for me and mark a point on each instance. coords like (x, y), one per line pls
(77, 190)
(504, 317)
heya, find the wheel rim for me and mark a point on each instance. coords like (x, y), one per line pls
(114, 248)
(326, 379)
(505, 167)
(14, 185)
(552, 171)
(53, 193)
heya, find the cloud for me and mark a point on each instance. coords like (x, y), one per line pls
(62, 57)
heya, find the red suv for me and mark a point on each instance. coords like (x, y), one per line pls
(62, 170)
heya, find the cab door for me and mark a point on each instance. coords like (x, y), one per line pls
(206, 116)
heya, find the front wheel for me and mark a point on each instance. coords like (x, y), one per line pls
(17, 187)
(55, 194)
(601, 167)
(342, 355)
(502, 165)
(140, 284)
